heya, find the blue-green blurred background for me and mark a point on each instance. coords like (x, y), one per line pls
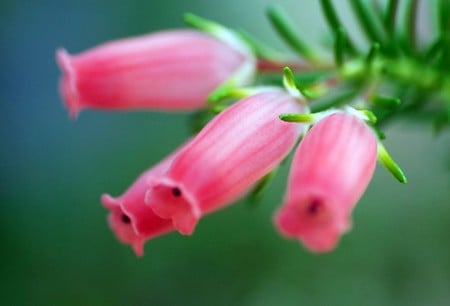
(56, 248)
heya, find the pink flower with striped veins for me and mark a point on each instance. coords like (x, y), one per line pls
(330, 171)
(171, 70)
(232, 152)
(130, 219)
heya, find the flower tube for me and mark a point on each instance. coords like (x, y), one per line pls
(232, 152)
(168, 70)
(330, 171)
(130, 219)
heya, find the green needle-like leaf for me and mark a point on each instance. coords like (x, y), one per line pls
(334, 24)
(387, 161)
(330, 14)
(259, 48)
(337, 97)
(435, 50)
(386, 102)
(202, 23)
(412, 23)
(444, 17)
(444, 28)
(289, 82)
(367, 21)
(380, 134)
(215, 29)
(373, 53)
(300, 118)
(370, 115)
(285, 28)
(390, 17)
(339, 46)
(257, 191)
(221, 93)
(310, 93)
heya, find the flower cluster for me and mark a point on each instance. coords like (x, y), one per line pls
(335, 150)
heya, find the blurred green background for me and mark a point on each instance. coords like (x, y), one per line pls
(56, 248)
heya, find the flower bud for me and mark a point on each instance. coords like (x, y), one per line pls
(330, 171)
(232, 152)
(168, 70)
(130, 219)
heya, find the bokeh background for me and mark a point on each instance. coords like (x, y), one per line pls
(56, 248)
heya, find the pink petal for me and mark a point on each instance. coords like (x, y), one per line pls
(236, 149)
(130, 219)
(168, 70)
(330, 171)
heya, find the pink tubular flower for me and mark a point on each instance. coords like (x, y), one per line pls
(233, 151)
(330, 171)
(131, 220)
(169, 70)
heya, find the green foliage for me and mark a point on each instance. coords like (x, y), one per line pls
(395, 65)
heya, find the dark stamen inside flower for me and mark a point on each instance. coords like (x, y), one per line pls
(176, 192)
(314, 207)
(125, 219)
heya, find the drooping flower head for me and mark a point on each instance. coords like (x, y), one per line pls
(168, 70)
(330, 171)
(130, 219)
(232, 152)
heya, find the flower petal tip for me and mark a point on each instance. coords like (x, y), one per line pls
(67, 84)
(171, 202)
(108, 201)
(138, 248)
(314, 236)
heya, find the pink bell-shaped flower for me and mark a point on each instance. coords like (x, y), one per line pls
(232, 152)
(330, 171)
(130, 219)
(169, 70)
